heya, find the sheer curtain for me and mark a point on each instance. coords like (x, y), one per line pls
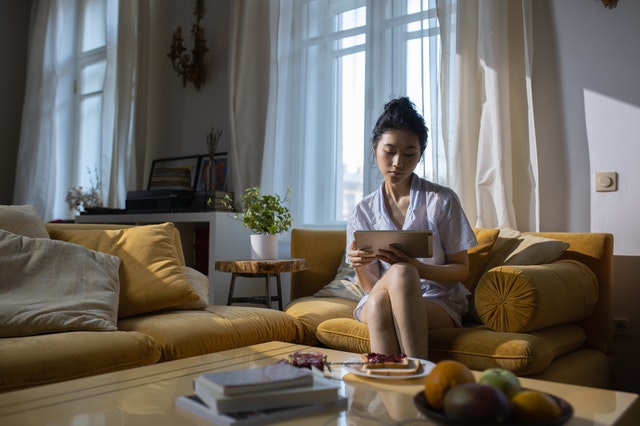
(486, 121)
(491, 145)
(45, 153)
(250, 71)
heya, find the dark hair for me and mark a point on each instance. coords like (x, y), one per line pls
(401, 113)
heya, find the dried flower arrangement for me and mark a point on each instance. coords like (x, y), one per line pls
(81, 200)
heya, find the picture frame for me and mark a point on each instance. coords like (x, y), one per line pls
(176, 173)
(221, 169)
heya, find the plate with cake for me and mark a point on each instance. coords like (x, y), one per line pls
(388, 366)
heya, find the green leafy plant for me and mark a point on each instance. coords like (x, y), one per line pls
(263, 214)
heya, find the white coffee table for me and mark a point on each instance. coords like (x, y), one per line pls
(146, 395)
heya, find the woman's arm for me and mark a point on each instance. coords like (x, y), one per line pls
(455, 269)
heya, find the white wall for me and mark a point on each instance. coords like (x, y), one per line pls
(587, 102)
(180, 117)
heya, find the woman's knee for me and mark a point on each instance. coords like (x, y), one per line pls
(402, 277)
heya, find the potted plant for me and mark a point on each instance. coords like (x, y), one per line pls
(266, 215)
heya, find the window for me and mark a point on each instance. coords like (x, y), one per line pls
(91, 65)
(354, 56)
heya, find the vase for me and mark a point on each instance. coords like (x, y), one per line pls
(264, 246)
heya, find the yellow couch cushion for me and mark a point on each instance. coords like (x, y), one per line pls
(183, 334)
(151, 277)
(479, 255)
(311, 311)
(49, 358)
(478, 347)
(527, 298)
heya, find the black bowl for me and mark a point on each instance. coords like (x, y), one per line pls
(420, 401)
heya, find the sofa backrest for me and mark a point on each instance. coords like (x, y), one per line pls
(595, 250)
(323, 250)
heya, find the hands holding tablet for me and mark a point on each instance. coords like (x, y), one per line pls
(389, 246)
(363, 257)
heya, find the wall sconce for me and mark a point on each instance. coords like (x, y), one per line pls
(610, 3)
(190, 66)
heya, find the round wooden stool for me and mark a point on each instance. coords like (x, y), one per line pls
(262, 268)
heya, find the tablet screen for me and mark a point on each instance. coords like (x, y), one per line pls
(414, 243)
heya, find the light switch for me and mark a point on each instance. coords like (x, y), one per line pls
(606, 181)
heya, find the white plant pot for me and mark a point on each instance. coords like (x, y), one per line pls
(264, 246)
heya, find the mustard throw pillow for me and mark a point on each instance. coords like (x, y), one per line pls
(525, 298)
(151, 277)
(479, 255)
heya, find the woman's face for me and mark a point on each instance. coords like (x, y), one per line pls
(397, 155)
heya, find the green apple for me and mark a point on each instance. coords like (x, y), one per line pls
(502, 379)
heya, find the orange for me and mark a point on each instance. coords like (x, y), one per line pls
(534, 406)
(445, 375)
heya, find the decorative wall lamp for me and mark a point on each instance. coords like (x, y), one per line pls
(190, 66)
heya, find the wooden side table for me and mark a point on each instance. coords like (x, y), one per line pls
(264, 268)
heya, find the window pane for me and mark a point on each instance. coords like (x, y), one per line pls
(352, 71)
(92, 77)
(94, 24)
(352, 19)
(89, 137)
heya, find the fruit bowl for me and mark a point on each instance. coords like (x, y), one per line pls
(439, 417)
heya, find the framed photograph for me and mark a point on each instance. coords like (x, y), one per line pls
(174, 173)
(220, 167)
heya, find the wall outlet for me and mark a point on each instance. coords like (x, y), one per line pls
(622, 327)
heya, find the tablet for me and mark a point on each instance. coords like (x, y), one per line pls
(414, 243)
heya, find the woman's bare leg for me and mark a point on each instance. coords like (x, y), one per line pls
(396, 311)
(379, 318)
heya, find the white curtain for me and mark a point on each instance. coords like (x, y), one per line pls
(44, 172)
(46, 145)
(490, 141)
(487, 113)
(249, 70)
(125, 112)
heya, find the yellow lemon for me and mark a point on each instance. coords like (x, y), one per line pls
(534, 406)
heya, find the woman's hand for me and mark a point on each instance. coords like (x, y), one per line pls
(359, 258)
(394, 255)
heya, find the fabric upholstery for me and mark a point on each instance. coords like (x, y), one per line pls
(534, 353)
(22, 220)
(151, 278)
(323, 250)
(311, 311)
(479, 255)
(343, 284)
(527, 298)
(594, 249)
(183, 334)
(199, 282)
(516, 248)
(49, 358)
(51, 286)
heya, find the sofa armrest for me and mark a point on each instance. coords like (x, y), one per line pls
(532, 297)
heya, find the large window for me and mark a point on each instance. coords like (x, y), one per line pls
(354, 56)
(91, 65)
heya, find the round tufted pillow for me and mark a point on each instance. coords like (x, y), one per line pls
(531, 297)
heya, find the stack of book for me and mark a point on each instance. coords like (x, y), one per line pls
(261, 395)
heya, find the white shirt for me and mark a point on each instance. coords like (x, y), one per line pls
(433, 207)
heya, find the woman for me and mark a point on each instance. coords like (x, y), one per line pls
(405, 297)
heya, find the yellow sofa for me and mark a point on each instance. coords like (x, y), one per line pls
(550, 320)
(160, 315)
